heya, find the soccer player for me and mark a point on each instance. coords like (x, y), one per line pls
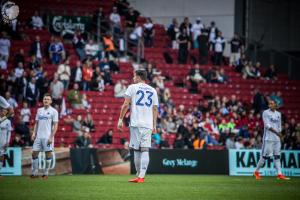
(5, 129)
(4, 104)
(43, 135)
(143, 102)
(271, 140)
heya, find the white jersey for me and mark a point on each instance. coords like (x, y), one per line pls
(143, 98)
(4, 103)
(271, 119)
(5, 131)
(45, 119)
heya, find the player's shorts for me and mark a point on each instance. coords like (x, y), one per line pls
(271, 148)
(140, 138)
(41, 144)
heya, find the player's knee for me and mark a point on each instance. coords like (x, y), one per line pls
(144, 149)
(48, 155)
(276, 157)
(35, 155)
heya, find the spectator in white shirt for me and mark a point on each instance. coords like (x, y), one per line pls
(64, 73)
(4, 46)
(57, 89)
(36, 21)
(12, 102)
(136, 34)
(115, 21)
(91, 49)
(219, 46)
(19, 70)
(196, 31)
(25, 113)
(120, 89)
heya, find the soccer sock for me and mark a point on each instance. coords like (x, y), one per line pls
(278, 166)
(1, 164)
(261, 162)
(144, 163)
(35, 166)
(137, 161)
(48, 164)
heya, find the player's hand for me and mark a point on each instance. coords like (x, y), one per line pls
(32, 137)
(154, 130)
(50, 141)
(120, 124)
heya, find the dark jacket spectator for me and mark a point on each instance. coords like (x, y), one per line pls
(106, 138)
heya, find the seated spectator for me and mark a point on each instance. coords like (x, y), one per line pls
(36, 21)
(106, 138)
(256, 70)
(221, 77)
(195, 77)
(75, 98)
(166, 96)
(199, 143)
(4, 46)
(12, 101)
(97, 80)
(158, 81)
(271, 73)
(173, 32)
(113, 65)
(85, 103)
(170, 125)
(3, 63)
(17, 141)
(34, 63)
(120, 89)
(79, 45)
(89, 122)
(37, 49)
(56, 51)
(64, 73)
(84, 141)
(249, 71)
(239, 144)
(277, 98)
(149, 33)
(107, 76)
(91, 49)
(25, 113)
(56, 91)
(179, 142)
(76, 124)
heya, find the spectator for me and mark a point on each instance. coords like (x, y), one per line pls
(130, 20)
(19, 70)
(113, 65)
(271, 73)
(213, 31)
(100, 17)
(84, 141)
(219, 46)
(106, 138)
(75, 98)
(170, 126)
(34, 63)
(239, 144)
(179, 142)
(64, 73)
(203, 43)
(36, 49)
(25, 113)
(76, 124)
(248, 71)
(79, 44)
(91, 50)
(85, 103)
(12, 102)
(236, 45)
(56, 51)
(76, 74)
(256, 70)
(120, 89)
(115, 22)
(87, 74)
(23, 130)
(173, 32)
(196, 31)
(107, 77)
(109, 46)
(4, 46)
(36, 21)
(183, 41)
(89, 122)
(221, 77)
(17, 141)
(19, 57)
(187, 26)
(195, 77)
(230, 144)
(56, 91)
(199, 143)
(97, 80)
(137, 35)
(149, 33)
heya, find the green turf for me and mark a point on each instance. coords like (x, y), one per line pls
(158, 187)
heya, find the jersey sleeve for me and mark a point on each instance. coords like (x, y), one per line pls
(266, 120)
(155, 99)
(55, 116)
(129, 92)
(279, 125)
(3, 103)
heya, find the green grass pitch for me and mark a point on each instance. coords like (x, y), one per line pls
(156, 187)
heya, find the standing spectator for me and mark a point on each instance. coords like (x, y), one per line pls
(196, 31)
(64, 73)
(115, 22)
(75, 98)
(87, 74)
(107, 77)
(137, 34)
(97, 80)
(19, 57)
(149, 33)
(56, 90)
(183, 41)
(213, 31)
(56, 51)
(130, 20)
(219, 46)
(25, 113)
(236, 45)
(120, 89)
(36, 21)
(84, 141)
(187, 26)
(109, 46)
(259, 102)
(4, 46)
(76, 74)
(36, 49)
(19, 70)
(173, 32)
(32, 93)
(203, 43)
(79, 45)
(91, 49)
(271, 73)
(12, 102)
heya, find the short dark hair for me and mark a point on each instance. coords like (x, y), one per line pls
(142, 74)
(48, 95)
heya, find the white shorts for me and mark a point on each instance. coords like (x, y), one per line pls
(140, 138)
(41, 144)
(271, 148)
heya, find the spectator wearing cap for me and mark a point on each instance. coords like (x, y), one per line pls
(196, 31)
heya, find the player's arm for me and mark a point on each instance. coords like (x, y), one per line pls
(267, 124)
(155, 113)
(34, 130)
(123, 111)
(54, 130)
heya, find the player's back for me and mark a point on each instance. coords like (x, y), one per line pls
(143, 98)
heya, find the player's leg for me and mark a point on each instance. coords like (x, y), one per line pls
(48, 152)
(137, 161)
(36, 148)
(145, 145)
(1, 160)
(134, 144)
(265, 152)
(276, 153)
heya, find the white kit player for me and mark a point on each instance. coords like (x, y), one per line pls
(5, 132)
(271, 140)
(46, 123)
(143, 102)
(4, 104)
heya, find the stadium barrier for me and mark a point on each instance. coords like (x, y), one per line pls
(12, 163)
(183, 161)
(244, 162)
